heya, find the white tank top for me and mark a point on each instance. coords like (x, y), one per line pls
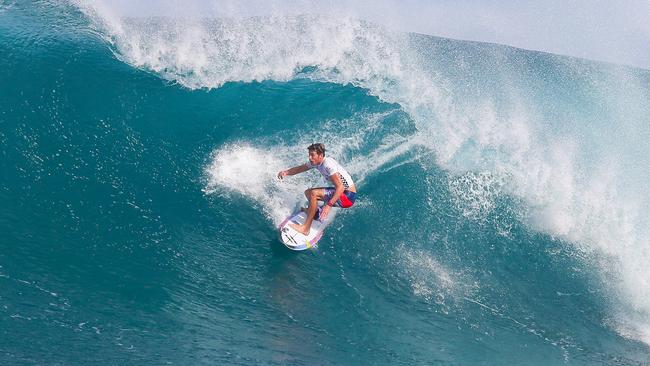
(330, 166)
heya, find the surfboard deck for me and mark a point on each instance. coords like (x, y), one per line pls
(297, 241)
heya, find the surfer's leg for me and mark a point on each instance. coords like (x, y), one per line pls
(313, 195)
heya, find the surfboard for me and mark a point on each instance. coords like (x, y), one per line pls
(298, 241)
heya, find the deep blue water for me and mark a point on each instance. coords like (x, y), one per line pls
(501, 218)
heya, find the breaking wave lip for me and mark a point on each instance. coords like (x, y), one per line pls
(575, 187)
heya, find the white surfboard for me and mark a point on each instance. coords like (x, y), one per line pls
(298, 241)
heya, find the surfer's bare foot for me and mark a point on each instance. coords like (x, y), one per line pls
(300, 228)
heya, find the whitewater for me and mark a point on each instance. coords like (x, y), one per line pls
(502, 215)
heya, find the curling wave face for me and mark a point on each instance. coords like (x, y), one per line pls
(523, 172)
(567, 137)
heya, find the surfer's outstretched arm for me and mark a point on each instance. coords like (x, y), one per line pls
(293, 171)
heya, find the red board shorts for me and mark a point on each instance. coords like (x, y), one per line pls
(346, 200)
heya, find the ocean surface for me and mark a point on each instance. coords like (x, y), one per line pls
(502, 218)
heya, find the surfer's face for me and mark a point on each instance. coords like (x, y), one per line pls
(315, 158)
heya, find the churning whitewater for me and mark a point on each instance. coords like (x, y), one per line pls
(502, 215)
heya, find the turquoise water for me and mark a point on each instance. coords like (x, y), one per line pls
(502, 215)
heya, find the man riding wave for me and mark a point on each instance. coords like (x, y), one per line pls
(343, 194)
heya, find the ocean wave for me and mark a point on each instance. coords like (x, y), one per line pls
(565, 137)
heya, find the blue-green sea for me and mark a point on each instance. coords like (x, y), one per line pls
(502, 215)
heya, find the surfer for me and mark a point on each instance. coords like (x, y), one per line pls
(343, 194)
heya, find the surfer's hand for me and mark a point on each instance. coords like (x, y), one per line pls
(324, 212)
(281, 174)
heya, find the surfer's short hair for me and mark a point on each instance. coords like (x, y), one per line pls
(317, 147)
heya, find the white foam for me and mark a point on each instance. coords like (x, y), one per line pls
(475, 194)
(431, 280)
(252, 172)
